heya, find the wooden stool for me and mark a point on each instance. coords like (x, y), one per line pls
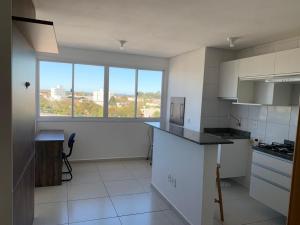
(220, 200)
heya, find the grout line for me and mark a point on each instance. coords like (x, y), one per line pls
(261, 221)
(108, 195)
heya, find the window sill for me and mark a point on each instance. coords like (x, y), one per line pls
(91, 119)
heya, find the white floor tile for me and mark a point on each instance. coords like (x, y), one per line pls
(124, 187)
(155, 218)
(87, 167)
(85, 191)
(136, 164)
(90, 209)
(277, 221)
(146, 183)
(174, 218)
(241, 211)
(110, 221)
(142, 173)
(112, 165)
(51, 213)
(85, 178)
(51, 194)
(138, 203)
(116, 174)
(232, 190)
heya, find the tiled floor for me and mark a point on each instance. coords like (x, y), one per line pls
(119, 193)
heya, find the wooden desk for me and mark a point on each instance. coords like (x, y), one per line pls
(48, 157)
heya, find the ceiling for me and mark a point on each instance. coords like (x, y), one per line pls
(167, 28)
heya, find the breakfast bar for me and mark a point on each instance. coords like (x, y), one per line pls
(184, 170)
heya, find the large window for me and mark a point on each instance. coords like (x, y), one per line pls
(79, 90)
(149, 93)
(55, 89)
(88, 90)
(121, 92)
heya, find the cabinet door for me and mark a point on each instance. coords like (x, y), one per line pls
(228, 155)
(262, 65)
(228, 80)
(287, 61)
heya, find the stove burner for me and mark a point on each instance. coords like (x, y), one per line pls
(285, 150)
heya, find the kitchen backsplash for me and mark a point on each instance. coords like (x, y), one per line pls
(267, 123)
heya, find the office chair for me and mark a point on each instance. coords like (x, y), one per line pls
(66, 156)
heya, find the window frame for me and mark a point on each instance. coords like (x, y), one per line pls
(105, 117)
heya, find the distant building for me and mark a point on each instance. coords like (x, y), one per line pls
(98, 97)
(149, 112)
(57, 93)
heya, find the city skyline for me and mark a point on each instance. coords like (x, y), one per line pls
(89, 78)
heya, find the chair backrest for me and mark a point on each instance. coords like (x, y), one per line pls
(70, 143)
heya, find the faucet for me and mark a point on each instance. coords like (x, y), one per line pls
(237, 120)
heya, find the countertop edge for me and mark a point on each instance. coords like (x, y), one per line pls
(196, 142)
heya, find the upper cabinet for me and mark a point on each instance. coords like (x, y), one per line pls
(262, 65)
(228, 80)
(287, 62)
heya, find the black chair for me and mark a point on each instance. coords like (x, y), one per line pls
(66, 156)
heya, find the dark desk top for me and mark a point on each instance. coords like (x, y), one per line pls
(50, 135)
(194, 136)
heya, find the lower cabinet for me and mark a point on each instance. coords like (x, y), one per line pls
(271, 181)
(234, 158)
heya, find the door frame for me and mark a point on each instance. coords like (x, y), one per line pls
(294, 207)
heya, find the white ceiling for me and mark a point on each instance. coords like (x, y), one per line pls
(169, 27)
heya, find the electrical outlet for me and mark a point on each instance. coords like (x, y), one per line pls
(172, 180)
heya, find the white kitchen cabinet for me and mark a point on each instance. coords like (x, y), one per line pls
(287, 62)
(271, 181)
(234, 158)
(262, 65)
(228, 81)
(270, 195)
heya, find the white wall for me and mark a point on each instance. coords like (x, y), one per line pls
(186, 74)
(105, 139)
(215, 112)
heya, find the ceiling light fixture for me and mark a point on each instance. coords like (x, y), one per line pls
(231, 41)
(122, 44)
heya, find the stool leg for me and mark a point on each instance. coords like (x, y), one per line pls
(220, 201)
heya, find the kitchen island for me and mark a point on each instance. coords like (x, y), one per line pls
(184, 170)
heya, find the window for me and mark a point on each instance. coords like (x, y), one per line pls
(121, 92)
(55, 89)
(149, 93)
(95, 91)
(88, 90)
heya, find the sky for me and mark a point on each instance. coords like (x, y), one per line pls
(89, 78)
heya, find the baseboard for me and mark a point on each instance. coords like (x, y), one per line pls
(179, 214)
(109, 159)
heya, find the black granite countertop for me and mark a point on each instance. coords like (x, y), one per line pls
(194, 136)
(288, 158)
(228, 133)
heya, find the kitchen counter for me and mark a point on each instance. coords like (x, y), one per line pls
(190, 135)
(184, 170)
(288, 158)
(228, 133)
